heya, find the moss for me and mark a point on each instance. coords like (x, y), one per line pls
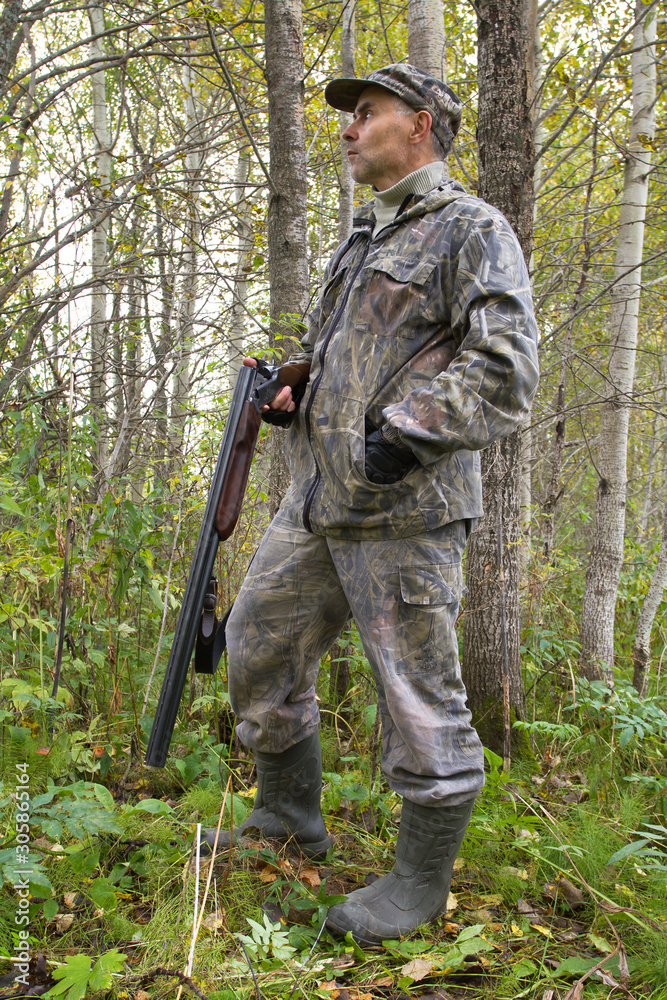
(490, 724)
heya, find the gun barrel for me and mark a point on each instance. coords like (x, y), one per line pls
(200, 574)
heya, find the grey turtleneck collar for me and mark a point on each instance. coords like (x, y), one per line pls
(420, 181)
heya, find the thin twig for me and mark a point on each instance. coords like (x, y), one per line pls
(150, 977)
(252, 971)
(304, 966)
(237, 102)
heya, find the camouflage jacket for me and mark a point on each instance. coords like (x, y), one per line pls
(428, 326)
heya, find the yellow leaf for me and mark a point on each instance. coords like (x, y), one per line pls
(516, 931)
(310, 877)
(542, 930)
(452, 903)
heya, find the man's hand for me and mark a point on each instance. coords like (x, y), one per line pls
(283, 401)
(386, 463)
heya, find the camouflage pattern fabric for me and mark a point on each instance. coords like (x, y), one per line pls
(404, 596)
(429, 326)
(416, 88)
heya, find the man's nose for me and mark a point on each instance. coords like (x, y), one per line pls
(348, 134)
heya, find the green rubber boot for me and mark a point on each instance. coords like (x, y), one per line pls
(416, 890)
(287, 803)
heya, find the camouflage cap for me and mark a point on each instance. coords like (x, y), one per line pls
(418, 89)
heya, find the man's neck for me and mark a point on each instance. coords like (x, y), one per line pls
(420, 181)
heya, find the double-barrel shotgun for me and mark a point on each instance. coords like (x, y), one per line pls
(197, 621)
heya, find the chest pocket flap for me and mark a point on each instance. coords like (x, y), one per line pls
(416, 270)
(432, 585)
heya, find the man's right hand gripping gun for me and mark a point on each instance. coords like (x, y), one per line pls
(255, 388)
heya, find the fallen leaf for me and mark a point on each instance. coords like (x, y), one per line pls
(516, 931)
(482, 916)
(310, 877)
(606, 978)
(384, 981)
(451, 927)
(267, 875)
(517, 872)
(63, 922)
(213, 923)
(542, 930)
(562, 888)
(495, 899)
(69, 899)
(329, 987)
(143, 995)
(344, 962)
(452, 903)
(459, 863)
(417, 969)
(600, 943)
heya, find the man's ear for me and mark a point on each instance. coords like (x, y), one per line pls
(421, 127)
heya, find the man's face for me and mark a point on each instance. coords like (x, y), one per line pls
(378, 144)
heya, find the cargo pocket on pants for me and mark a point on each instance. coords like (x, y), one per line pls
(427, 612)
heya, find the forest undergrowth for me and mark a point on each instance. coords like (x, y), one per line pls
(560, 889)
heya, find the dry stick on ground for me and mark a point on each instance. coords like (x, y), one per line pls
(605, 906)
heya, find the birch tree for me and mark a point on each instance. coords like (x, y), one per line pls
(606, 558)
(287, 212)
(426, 37)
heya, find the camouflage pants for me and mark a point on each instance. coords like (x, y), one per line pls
(404, 596)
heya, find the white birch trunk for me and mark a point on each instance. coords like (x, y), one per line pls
(606, 559)
(189, 282)
(426, 37)
(99, 261)
(242, 206)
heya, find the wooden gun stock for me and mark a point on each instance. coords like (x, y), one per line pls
(222, 511)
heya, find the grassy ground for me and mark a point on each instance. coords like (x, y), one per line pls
(560, 889)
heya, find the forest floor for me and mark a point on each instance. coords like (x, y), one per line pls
(560, 890)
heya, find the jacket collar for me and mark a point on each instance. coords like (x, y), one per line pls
(445, 193)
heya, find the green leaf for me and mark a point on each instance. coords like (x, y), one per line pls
(106, 965)
(74, 975)
(469, 932)
(103, 795)
(155, 806)
(624, 852)
(10, 505)
(103, 895)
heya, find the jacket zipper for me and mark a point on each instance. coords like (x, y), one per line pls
(322, 352)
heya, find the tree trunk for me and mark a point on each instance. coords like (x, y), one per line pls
(189, 289)
(286, 223)
(426, 37)
(346, 194)
(491, 648)
(641, 648)
(606, 558)
(99, 261)
(242, 205)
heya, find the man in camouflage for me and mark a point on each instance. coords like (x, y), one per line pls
(423, 351)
